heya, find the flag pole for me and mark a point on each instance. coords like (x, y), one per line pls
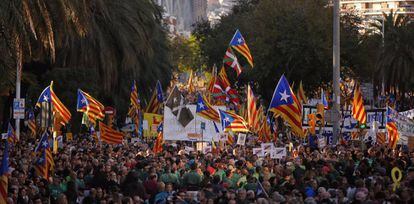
(336, 71)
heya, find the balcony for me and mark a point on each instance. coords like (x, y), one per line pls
(387, 10)
(370, 11)
(372, 1)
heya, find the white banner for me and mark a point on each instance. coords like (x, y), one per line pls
(258, 152)
(278, 153)
(409, 114)
(241, 139)
(173, 130)
(404, 124)
(267, 147)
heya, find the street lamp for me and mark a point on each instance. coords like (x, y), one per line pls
(336, 71)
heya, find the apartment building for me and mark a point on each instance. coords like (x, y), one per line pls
(375, 8)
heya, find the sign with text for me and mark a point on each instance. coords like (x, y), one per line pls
(348, 124)
(193, 131)
(258, 152)
(267, 147)
(223, 137)
(278, 153)
(18, 108)
(151, 123)
(241, 139)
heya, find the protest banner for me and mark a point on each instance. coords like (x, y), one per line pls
(278, 153)
(241, 139)
(150, 124)
(192, 131)
(258, 151)
(267, 148)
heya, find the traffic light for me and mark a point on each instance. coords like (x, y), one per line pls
(312, 123)
(320, 115)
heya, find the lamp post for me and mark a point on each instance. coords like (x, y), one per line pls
(336, 71)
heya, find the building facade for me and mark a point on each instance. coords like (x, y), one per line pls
(185, 12)
(199, 10)
(375, 8)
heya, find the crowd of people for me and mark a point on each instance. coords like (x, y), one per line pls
(88, 172)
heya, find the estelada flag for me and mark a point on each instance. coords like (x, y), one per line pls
(239, 44)
(232, 122)
(156, 101)
(285, 103)
(89, 105)
(109, 135)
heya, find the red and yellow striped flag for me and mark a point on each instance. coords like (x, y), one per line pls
(239, 44)
(230, 139)
(301, 95)
(89, 105)
(358, 109)
(393, 135)
(392, 130)
(44, 164)
(214, 148)
(4, 185)
(159, 141)
(109, 135)
(59, 107)
(48, 95)
(190, 85)
(156, 101)
(262, 118)
(380, 138)
(11, 134)
(4, 172)
(135, 109)
(134, 97)
(265, 132)
(31, 123)
(252, 112)
(285, 104)
(355, 135)
(206, 110)
(210, 84)
(232, 122)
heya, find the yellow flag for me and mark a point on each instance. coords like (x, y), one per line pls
(69, 136)
(150, 124)
(190, 85)
(55, 143)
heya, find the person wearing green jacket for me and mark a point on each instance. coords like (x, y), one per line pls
(169, 177)
(57, 187)
(192, 179)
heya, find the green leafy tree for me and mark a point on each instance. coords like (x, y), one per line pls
(186, 54)
(396, 58)
(291, 37)
(115, 41)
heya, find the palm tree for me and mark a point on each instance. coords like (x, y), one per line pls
(119, 40)
(396, 59)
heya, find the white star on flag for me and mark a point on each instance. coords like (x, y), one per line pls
(201, 105)
(240, 40)
(45, 98)
(284, 95)
(226, 119)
